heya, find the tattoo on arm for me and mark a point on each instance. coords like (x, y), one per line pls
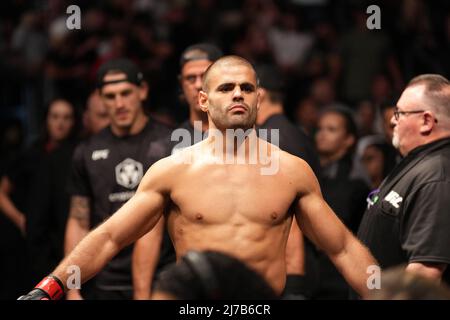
(79, 210)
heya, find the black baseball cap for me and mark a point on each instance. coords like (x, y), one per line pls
(126, 66)
(200, 51)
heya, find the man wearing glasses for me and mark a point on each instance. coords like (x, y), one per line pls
(194, 61)
(407, 221)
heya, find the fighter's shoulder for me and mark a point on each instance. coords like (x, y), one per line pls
(168, 166)
(287, 160)
(292, 162)
(185, 154)
(296, 167)
(164, 173)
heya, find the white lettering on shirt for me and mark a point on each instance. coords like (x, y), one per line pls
(394, 199)
(100, 154)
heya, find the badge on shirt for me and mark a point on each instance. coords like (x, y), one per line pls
(372, 198)
(394, 199)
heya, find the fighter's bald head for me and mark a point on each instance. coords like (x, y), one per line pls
(225, 62)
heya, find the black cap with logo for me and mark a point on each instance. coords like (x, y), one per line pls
(200, 51)
(131, 71)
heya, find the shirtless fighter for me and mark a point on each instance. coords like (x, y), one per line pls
(231, 208)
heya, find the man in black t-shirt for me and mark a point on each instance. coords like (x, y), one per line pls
(193, 63)
(108, 167)
(335, 139)
(243, 208)
(301, 260)
(407, 219)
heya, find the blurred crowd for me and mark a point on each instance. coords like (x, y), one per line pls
(324, 48)
(340, 81)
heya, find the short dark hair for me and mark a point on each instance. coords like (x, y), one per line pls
(212, 275)
(271, 79)
(389, 160)
(388, 104)
(74, 132)
(347, 114)
(223, 61)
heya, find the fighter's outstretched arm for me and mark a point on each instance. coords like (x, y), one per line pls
(135, 218)
(321, 225)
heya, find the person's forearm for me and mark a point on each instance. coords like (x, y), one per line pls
(353, 262)
(145, 259)
(87, 259)
(90, 256)
(134, 219)
(143, 268)
(75, 232)
(78, 223)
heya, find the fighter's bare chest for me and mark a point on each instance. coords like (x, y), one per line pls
(220, 195)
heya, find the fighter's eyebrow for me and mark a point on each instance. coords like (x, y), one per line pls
(226, 87)
(247, 86)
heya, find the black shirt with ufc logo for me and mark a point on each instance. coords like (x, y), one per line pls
(107, 169)
(408, 218)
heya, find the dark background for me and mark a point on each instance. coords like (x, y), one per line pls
(311, 41)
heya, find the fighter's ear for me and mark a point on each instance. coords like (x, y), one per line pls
(261, 92)
(143, 90)
(203, 100)
(260, 95)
